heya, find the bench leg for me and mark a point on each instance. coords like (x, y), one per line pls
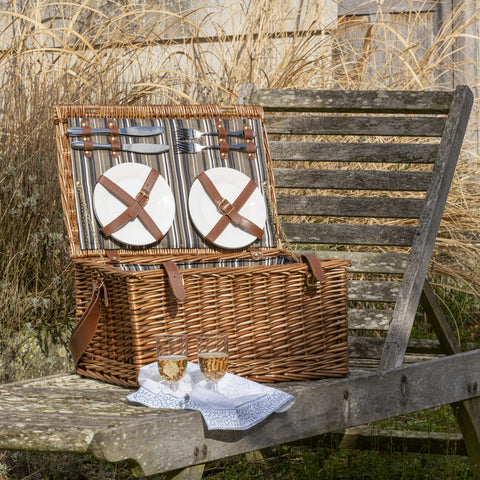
(467, 412)
(190, 473)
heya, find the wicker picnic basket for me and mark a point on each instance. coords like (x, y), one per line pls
(285, 314)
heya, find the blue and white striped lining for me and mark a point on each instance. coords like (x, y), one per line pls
(178, 170)
(245, 262)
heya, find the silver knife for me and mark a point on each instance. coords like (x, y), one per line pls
(142, 148)
(127, 131)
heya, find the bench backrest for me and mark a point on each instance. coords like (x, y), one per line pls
(365, 175)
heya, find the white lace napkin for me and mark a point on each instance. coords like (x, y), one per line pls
(239, 404)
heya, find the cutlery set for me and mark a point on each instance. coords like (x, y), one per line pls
(184, 140)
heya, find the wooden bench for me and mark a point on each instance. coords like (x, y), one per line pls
(384, 214)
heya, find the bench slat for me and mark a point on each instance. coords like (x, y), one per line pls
(347, 234)
(368, 319)
(352, 179)
(363, 125)
(350, 206)
(372, 291)
(368, 262)
(353, 152)
(347, 100)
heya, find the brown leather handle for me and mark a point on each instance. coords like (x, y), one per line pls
(85, 329)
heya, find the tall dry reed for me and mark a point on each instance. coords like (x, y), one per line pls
(128, 52)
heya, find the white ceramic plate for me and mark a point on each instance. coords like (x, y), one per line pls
(204, 214)
(160, 206)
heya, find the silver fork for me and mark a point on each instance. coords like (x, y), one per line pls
(191, 147)
(192, 134)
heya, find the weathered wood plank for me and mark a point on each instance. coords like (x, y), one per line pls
(372, 291)
(372, 207)
(365, 438)
(349, 234)
(352, 179)
(428, 225)
(362, 7)
(369, 319)
(353, 152)
(366, 101)
(367, 262)
(359, 125)
(371, 347)
(345, 403)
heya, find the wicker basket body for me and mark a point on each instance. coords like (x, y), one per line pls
(280, 326)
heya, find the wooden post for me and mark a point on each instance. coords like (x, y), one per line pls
(468, 411)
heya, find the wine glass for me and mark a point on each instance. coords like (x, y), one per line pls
(212, 351)
(172, 351)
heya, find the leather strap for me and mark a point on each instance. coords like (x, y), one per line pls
(85, 329)
(250, 144)
(222, 139)
(135, 205)
(113, 256)
(113, 138)
(229, 210)
(176, 280)
(315, 266)
(87, 137)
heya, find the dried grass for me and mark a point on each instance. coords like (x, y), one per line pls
(86, 52)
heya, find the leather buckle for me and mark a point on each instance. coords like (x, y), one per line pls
(142, 198)
(312, 281)
(222, 210)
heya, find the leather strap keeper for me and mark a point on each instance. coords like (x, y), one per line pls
(229, 210)
(113, 138)
(176, 280)
(222, 139)
(315, 266)
(249, 142)
(87, 137)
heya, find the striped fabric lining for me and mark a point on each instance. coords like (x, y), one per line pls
(277, 260)
(178, 170)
